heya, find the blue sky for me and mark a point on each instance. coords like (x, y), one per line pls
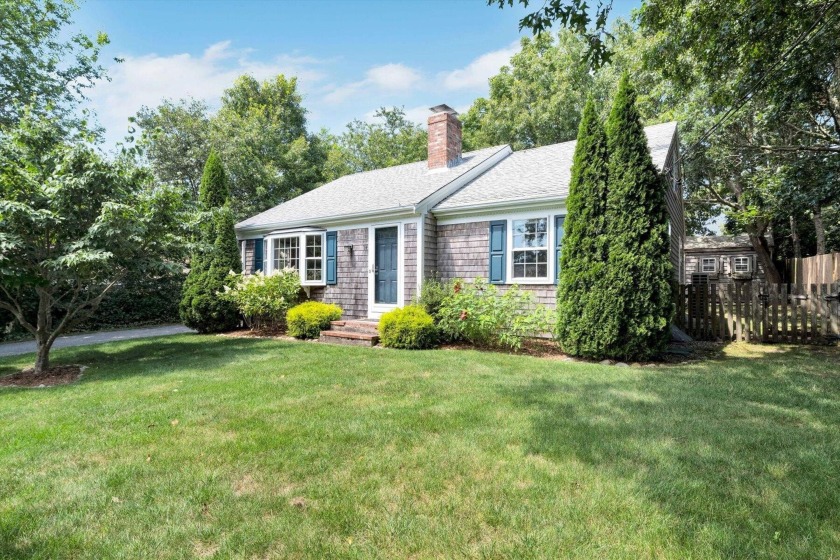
(350, 57)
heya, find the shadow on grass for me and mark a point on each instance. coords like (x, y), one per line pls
(151, 356)
(740, 451)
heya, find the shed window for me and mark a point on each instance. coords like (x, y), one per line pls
(708, 265)
(699, 278)
(529, 252)
(742, 264)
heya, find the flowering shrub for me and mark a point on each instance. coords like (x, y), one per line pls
(480, 314)
(263, 300)
(308, 319)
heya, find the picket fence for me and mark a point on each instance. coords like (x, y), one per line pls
(757, 312)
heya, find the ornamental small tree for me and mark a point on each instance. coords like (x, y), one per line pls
(216, 256)
(584, 256)
(74, 225)
(634, 296)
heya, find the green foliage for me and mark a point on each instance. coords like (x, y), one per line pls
(138, 300)
(263, 300)
(480, 314)
(44, 68)
(538, 98)
(583, 259)
(202, 307)
(308, 319)
(73, 226)
(432, 294)
(576, 16)
(175, 138)
(409, 327)
(633, 297)
(260, 133)
(214, 190)
(365, 146)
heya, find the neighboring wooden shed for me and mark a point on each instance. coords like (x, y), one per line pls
(721, 259)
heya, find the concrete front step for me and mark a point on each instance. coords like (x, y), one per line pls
(356, 326)
(350, 337)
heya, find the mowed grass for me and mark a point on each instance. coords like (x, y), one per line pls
(206, 446)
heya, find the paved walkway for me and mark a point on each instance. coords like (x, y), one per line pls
(16, 348)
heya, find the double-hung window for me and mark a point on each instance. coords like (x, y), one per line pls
(303, 252)
(314, 258)
(741, 264)
(708, 264)
(529, 249)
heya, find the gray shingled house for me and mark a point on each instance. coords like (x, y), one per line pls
(722, 259)
(367, 241)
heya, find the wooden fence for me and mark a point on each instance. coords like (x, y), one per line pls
(756, 312)
(820, 269)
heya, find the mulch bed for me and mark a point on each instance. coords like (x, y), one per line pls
(58, 375)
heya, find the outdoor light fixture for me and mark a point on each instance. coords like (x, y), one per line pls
(349, 248)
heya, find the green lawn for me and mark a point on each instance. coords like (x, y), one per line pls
(301, 450)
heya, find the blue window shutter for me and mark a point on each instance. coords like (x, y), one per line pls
(558, 241)
(498, 238)
(332, 257)
(258, 255)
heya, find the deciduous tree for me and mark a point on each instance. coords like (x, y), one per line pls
(72, 226)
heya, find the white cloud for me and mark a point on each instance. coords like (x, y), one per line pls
(387, 77)
(475, 74)
(148, 79)
(394, 77)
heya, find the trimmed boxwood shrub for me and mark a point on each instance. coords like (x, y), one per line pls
(308, 319)
(410, 328)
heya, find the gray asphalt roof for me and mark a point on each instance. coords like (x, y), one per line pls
(370, 191)
(541, 173)
(739, 241)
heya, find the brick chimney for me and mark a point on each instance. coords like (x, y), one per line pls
(444, 137)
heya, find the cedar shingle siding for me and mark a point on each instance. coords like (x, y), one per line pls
(463, 250)
(351, 290)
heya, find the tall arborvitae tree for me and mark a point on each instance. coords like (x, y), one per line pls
(635, 293)
(584, 255)
(217, 254)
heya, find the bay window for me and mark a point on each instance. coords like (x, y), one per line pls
(303, 252)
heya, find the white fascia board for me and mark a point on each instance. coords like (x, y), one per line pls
(460, 181)
(329, 222)
(504, 208)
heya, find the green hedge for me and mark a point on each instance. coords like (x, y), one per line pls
(410, 327)
(308, 319)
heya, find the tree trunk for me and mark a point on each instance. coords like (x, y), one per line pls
(42, 360)
(794, 234)
(820, 229)
(42, 334)
(762, 249)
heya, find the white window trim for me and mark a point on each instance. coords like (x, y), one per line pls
(509, 249)
(735, 265)
(702, 265)
(268, 255)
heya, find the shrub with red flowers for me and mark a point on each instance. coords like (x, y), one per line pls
(481, 314)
